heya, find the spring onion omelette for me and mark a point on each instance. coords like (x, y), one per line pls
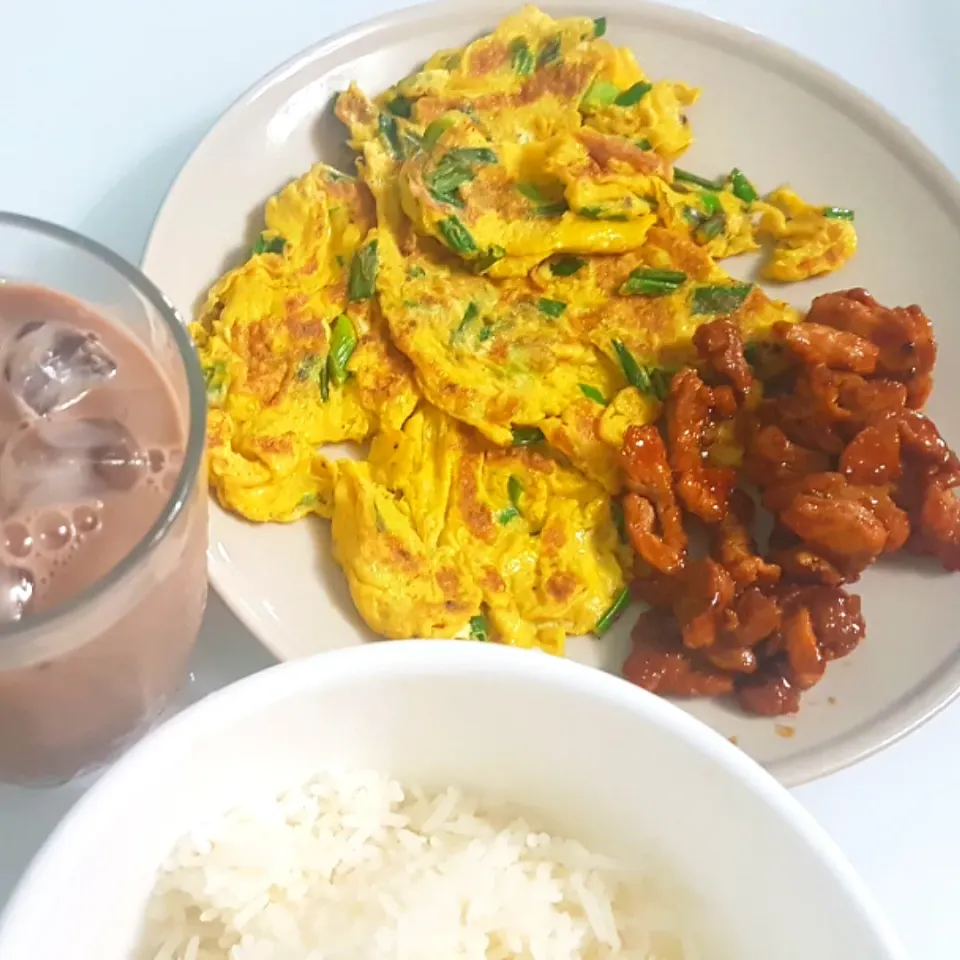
(502, 287)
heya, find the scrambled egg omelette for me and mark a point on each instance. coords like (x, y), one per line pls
(504, 287)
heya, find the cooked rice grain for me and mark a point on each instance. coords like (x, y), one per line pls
(353, 866)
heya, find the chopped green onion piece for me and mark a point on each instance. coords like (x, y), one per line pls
(653, 381)
(687, 177)
(514, 491)
(273, 245)
(592, 393)
(451, 199)
(601, 93)
(527, 436)
(556, 209)
(521, 58)
(599, 26)
(838, 213)
(619, 520)
(647, 288)
(742, 187)
(616, 608)
(715, 298)
(711, 227)
(363, 273)
(633, 94)
(390, 134)
(545, 207)
(324, 383)
(693, 216)
(215, 378)
(552, 308)
(667, 276)
(343, 341)
(449, 174)
(648, 282)
(472, 155)
(457, 236)
(635, 374)
(454, 169)
(469, 315)
(660, 380)
(486, 332)
(711, 203)
(566, 266)
(644, 144)
(435, 129)
(444, 185)
(479, 629)
(532, 192)
(550, 52)
(415, 271)
(598, 213)
(401, 106)
(507, 514)
(486, 260)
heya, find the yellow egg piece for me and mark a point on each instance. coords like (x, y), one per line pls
(809, 241)
(438, 528)
(507, 283)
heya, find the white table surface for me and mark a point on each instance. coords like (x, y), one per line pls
(101, 103)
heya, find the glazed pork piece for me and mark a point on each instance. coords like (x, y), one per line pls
(832, 449)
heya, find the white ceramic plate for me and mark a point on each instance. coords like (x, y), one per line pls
(763, 109)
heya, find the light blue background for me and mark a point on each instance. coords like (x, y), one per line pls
(101, 101)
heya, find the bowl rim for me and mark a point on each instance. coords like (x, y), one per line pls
(910, 712)
(433, 659)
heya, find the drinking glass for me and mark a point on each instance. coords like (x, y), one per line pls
(81, 680)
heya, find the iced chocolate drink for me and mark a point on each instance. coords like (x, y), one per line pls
(102, 530)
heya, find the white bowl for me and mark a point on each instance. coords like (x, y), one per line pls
(599, 759)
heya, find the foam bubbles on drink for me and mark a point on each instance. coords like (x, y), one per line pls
(37, 545)
(86, 519)
(48, 366)
(47, 463)
(17, 540)
(55, 479)
(164, 469)
(55, 531)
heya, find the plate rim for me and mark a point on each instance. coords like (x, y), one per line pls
(861, 108)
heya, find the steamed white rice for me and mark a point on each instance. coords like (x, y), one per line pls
(354, 866)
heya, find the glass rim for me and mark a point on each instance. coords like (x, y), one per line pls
(196, 430)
